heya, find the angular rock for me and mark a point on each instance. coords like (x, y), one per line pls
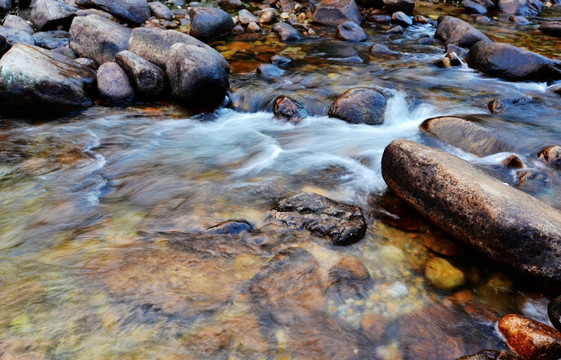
(49, 14)
(210, 23)
(512, 63)
(286, 32)
(245, 17)
(520, 7)
(253, 27)
(513, 162)
(30, 75)
(89, 63)
(551, 155)
(51, 39)
(360, 106)
(17, 23)
(230, 227)
(400, 18)
(148, 79)
(97, 38)
(471, 7)
(154, 45)
(335, 12)
(466, 135)
(114, 85)
(13, 36)
(195, 78)
(288, 109)
(268, 16)
(452, 30)
(349, 279)
(5, 7)
(350, 31)
(552, 28)
(530, 339)
(287, 305)
(501, 222)
(405, 6)
(136, 11)
(341, 223)
(160, 11)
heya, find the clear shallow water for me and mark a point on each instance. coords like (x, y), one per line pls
(86, 270)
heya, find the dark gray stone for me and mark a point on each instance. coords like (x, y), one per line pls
(114, 85)
(49, 14)
(471, 7)
(136, 11)
(286, 32)
(196, 79)
(359, 106)
(160, 11)
(34, 79)
(552, 28)
(13, 36)
(350, 31)
(452, 30)
(208, 24)
(501, 222)
(51, 39)
(400, 18)
(335, 12)
(97, 38)
(521, 7)
(148, 79)
(406, 6)
(288, 109)
(5, 7)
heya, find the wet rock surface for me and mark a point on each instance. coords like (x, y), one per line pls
(288, 109)
(512, 63)
(341, 224)
(350, 31)
(455, 31)
(286, 32)
(31, 75)
(208, 23)
(512, 227)
(530, 339)
(521, 7)
(360, 106)
(551, 155)
(335, 12)
(349, 279)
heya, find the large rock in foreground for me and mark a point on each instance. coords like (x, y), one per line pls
(512, 63)
(343, 224)
(454, 31)
(32, 78)
(196, 79)
(530, 339)
(503, 223)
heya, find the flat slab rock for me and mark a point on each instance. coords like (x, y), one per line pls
(341, 223)
(501, 222)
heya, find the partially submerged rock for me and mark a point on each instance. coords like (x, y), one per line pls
(288, 109)
(552, 28)
(530, 339)
(349, 279)
(512, 63)
(341, 223)
(97, 38)
(335, 12)
(452, 30)
(350, 31)
(360, 106)
(551, 155)
(466, 135)
(286, 32)
(32, 79)
(443, 275)
(196, 79)
(503, 223)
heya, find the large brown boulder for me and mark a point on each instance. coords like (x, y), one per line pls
(98, 38)
(335, 12)
(454, 31)
(501, 222)
(512, 63)
(155, 44)
(466, 135)
(34, 79)
(530, 339)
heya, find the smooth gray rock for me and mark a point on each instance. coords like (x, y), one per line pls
(359, 106)
(208, 24)
(521, 7)
(350, 31)
(452, 30)
(471, 7)
(335, 12)
(13, 36)
(136, 11)
(51, 39)
(196, 79)
(17, 23)
(66, 51)
(245, 17)
(501, 222)
(512, 63)
(160, 11)
(34, 79)
(154, 45)
(286, 32)
(114, 85)
(148, 79)
(89, 63)
(97, 38)
(49, 14)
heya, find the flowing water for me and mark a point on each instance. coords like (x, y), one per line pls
(88, 202)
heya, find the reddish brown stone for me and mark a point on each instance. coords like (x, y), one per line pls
(530, 339)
